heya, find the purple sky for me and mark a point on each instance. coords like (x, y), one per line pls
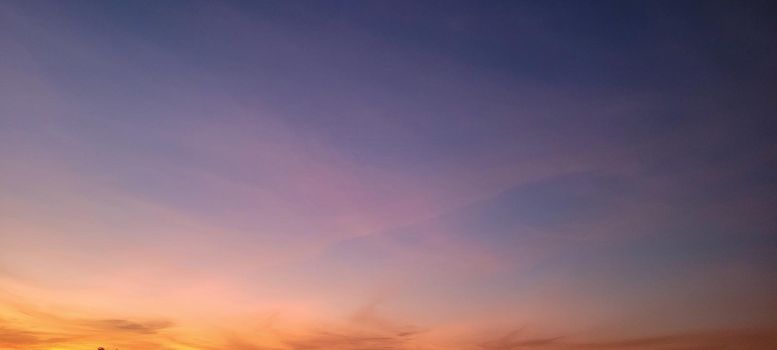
(388, 175)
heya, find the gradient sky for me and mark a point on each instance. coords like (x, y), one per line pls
(362, 175)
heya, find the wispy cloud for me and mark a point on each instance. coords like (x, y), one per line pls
(386, 176)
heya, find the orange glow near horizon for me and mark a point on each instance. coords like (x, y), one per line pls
(388, 175)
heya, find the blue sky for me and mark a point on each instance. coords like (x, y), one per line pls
(555, 174)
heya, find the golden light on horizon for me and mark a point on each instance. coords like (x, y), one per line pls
(417, 175)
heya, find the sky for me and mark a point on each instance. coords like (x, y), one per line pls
(403, 175)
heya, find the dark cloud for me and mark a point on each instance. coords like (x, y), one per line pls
(350, 341)
(751, 339)
(516, 340)
(33, 326)
(122, 325)
(14, 336)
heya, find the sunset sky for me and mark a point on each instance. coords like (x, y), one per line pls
(394, 175)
